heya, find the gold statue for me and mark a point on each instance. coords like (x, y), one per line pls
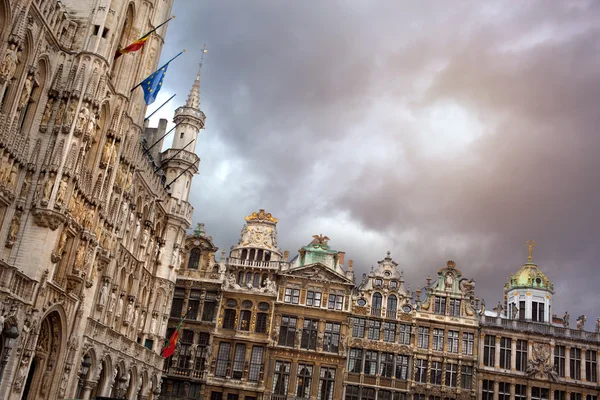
(320, 239)
(531, 244)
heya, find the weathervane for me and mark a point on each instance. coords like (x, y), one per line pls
(531, 244)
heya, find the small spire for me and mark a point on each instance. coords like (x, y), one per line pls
(193, 100)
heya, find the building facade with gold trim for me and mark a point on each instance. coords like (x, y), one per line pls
(92, 221)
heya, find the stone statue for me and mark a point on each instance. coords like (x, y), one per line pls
(112, 301)
(62, 242)
(104, 294)
(113, 155)
(145, 237)
(15, 224)
(9, 63)
(26, 91)
(134, 321)
(80, 254)
(175, 258)
(60, 113)
(47, 112)
(565, 319)
(136, 231)
(70, 116)
(82, 118)
(12, 180)
(91, 127)
(106, 153)
(449, 281)
(581, 322)
(153, 324)
(129, 314)
(270, 287)
(26, 186)
(48, 187)
(62, 190)
(597, 325)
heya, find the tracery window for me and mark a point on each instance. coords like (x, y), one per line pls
(194, 258)
(304, 381)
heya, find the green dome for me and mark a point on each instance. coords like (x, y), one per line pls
(529, 276)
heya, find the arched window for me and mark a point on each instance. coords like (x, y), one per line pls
(256, 282)
(267, 256)
(248, 277)
(376, 303)
(252, 254)
(244, 254)
(245, 316)
(194, 258)
(259, 256)
(392, 306)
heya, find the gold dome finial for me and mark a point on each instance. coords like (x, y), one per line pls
(531, 244)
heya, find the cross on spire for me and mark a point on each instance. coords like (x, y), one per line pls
(531, 244)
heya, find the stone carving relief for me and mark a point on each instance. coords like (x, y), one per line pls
(539, 364)
(9, 63)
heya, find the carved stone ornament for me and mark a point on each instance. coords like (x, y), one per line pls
(47, 218)
(261, 216)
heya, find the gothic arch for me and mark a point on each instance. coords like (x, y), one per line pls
(5, 19)
(103, 376)
(123, 39)
(131, 390)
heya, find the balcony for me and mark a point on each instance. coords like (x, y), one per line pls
(544, 329)
(376, 312)
(274, 265)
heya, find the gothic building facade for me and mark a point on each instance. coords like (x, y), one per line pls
(259, 325)
(92, 221)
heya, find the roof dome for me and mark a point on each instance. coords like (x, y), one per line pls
(529, 276)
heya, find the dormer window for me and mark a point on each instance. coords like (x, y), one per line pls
(439, 305)
(393, 285)
(194, 258)
(378, 282)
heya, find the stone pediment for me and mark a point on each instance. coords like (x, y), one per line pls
(318, 272)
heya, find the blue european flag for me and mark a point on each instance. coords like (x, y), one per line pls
(153, 83)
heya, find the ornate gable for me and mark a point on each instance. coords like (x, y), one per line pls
(318, 272)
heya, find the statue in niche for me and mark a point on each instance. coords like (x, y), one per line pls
(79, 255)
(12, 180)
(145, 237)
(91, 127)
(120, 306)
(82, 118)
(113, 155)
(136, 231)
(129, 314)
(48, 185)
(106, 153)
(9, 63)
(5, 169)
(62, 242)
(129, 180)
(153, 324)
(26, 185)
(175, 258)
(47, 112)
(449, 281)
(136, 314)
(26, 93)
(15, 224)
(60, 113)
(112, 301)
(62, 190)
(70, 116)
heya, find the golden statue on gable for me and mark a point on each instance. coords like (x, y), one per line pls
(261, 215)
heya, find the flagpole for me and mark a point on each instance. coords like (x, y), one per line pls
(118, 54)
(175, 155)
(154, 112)
(180, 53)
(163, 136)
(179, 176)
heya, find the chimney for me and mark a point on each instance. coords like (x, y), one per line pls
(286, 255)
(341, 259)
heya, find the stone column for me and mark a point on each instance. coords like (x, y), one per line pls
(496, 390)
(497, 353)
(567, 362)
(513, 358)
(88, 386)
(583, 367)
(512, 392)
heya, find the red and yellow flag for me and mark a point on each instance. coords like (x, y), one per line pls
(138, 44)
(169, 348)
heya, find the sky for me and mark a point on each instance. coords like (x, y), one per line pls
(433, 131)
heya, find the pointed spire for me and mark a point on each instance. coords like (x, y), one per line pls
(193, 100)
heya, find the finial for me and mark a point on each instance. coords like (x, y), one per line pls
(531, 244)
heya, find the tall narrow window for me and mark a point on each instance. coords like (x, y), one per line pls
(209, 307)
(229, 319)
(468, 343)
(352, 393)
(401, 367)
(438, 339)
(389, 332)
(261, 322)
(193, 304)
(355, 361)
(521, 310)
(404, 334)
(222, 359)
(281, 378)
(538, 393)
(371, 362)
(436, 373)
(487, 392)
(520, 392)
(326, 383)
(376, 302)
(505, 352)
(453, 341)
(194, 258)
(521, 361)
(309, 334)
(358, 327)
(177, 305)
(374, 330)
(575, 362)
(256, 362)
(489, 351)
(466, 377)
(421, 371)
(591, 366)
(386, 365)
(245, 316)
(454, 309)
(439, 306)
(331, 340)
(287, 331)
(537, 311)
(392, 307)
(423, 338)
(503, 391)
(559, 360)
(238, 361)
(185, 352)
(304, 380)
(451, 374)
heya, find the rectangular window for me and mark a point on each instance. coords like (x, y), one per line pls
(520, 392)
(487, 392)
(575, 363)
(537, 311)
(287, 331)
(355, 361)
(453, 341)
(292, 296)
(468, 343)
(576, 396)
(439, 305)
(591, 366)
(436, 373)
(560, 395)
(438, 340)
(503, 391)
(208, 311)
(538, 393)
(489, 351)
(231, 396)
(238, 361)
(454, 309)
(521, 362)
(591, 397)
(335, 302)
(216, 396)
(367, 394)
(389, 331)
(245, 316)
(423, 338)
(401, 367)
(193, 306)
(281, 378)
(331, 340)
(177, 307)
(261, 322)
(404, 334)
(358, 327)
(222, 359)
(421, 371)
(521, 310)
(256, 363)
(386, 365)
(466, 377)
(352, 393)
(185, 351)
(313, 299)
(304, 381)
(374, 330)
(229, 319)
(560, 360)
(326, 383)
(451, 373)
(370, 362)
(505, 352)
(384, 395)
(309, 334)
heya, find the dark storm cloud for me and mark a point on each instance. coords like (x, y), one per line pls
(434, 132)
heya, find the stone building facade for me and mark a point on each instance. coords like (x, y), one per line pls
(288, 329)
(92, 224)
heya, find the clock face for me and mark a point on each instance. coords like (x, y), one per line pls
(406, 308)
(361, 302)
